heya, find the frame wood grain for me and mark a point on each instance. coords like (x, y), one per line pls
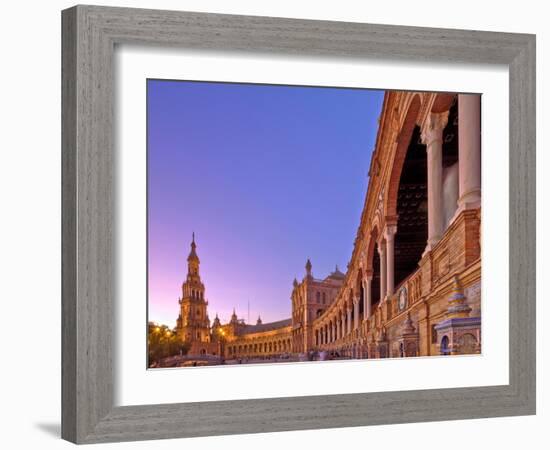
(90, 34)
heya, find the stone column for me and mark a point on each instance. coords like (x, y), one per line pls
(356, 313)
(389, 235)
(383, 282)
(343, 325)
(348, 322)
(432, 136)
(469, 151)
(368, 295)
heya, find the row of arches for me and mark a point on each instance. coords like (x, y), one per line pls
(271, 347)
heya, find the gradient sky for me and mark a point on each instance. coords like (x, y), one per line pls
(266, 176)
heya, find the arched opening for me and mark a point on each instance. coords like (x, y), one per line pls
(444, 347)
(361, 293)
(450, 163)
(412, 209)
(351, 307)
(404, 138)
(408, 198)
(375, 284)
(373, 264)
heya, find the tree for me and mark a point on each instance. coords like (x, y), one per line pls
(163, 342)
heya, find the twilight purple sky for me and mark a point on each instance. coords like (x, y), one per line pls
(266, 176)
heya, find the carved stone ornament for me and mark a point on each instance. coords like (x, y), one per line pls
(403, 298)
(433, 128)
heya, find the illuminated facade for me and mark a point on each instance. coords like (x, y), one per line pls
(193, 323)
(413, 284)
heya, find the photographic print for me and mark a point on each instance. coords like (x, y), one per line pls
(288, 224)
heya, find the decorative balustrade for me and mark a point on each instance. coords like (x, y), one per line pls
(414, 286)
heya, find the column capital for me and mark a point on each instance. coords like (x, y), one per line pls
(432, 130)
(389, 231)
(369, 274)
(381, 246)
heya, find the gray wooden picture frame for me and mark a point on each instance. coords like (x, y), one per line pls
(90, 34)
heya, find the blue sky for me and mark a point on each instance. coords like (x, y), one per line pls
(266, 176)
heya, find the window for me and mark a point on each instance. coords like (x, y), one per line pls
(324, 297)
(318, 296)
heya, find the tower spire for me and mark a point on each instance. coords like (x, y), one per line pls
(193, 259)
(308, 268)
(193, 252)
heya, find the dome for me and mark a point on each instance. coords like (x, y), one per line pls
(337, 275)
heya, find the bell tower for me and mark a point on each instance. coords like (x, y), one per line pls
(194, 325)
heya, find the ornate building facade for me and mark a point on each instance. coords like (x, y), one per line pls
(413, 284)
(310, 299)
